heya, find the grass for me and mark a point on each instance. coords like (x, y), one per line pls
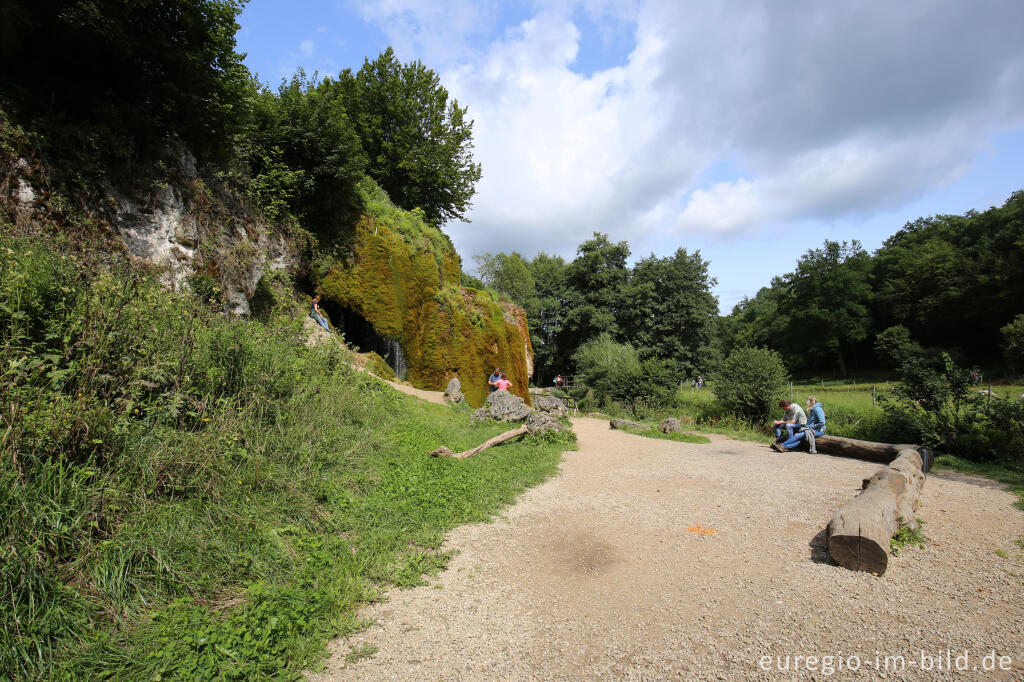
(680, 437)
(190, 497)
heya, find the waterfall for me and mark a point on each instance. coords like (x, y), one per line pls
(393, 355)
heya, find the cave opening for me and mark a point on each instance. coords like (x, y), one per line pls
(364, 337)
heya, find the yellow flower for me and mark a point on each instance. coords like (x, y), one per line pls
(205, 419)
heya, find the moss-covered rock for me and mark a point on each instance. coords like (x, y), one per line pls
(407, 286)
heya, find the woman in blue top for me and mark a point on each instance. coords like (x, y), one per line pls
(815, 424)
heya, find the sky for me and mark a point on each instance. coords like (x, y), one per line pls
(748, 131)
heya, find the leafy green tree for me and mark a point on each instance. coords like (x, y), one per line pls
(597, 279)
(1013, 342)
(508, 274)
(830, 294)
(109, 83)
(751, 382)
(304, 155)
(671, 311)
(418, 143)
(894, 346)
(546, 313)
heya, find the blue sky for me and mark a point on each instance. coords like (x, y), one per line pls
(750, 131)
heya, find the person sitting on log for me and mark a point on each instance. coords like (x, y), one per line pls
(793, 420)
(815, 427)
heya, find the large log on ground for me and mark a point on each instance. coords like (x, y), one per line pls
(872, 452)
(859, 533)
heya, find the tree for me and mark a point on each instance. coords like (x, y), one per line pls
(596, 282)
(110, 82)
(419, 145)
(304, 155)
(508, 274)
(546, 313)
(1013, 342)
(830, 297)
(671, 310)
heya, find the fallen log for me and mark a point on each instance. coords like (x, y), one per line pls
(859, 533)
(872, 452)
(497, 440)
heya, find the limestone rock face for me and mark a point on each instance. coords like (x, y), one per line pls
(550, 405)
(504, 407)
(670, 425)
(453, 392)
(628, 424)
(539, 422)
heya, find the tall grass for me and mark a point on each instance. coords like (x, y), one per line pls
(184, 496)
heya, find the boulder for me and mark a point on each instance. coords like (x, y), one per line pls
(670, 425)
(628, 424)
(538, 422)
(453, 392)
(504, 407)
(550, 405)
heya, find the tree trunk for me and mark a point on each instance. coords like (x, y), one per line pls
(497, 440)
(859, 533)
(872, 452)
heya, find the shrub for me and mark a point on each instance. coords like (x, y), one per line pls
(1013, 342)
(894, 346)
(751, 383)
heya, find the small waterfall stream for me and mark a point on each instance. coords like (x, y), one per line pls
(362, 335)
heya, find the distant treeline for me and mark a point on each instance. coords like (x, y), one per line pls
(107, 88)
(950, 283)
(956, 283)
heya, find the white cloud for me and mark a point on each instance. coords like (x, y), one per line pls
(831, 110)
(306, 48)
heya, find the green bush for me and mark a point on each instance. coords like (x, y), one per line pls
(1013, 342)
(751, 383)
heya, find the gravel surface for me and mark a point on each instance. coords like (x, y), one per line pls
(651, 559)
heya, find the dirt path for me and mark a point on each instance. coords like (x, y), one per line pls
(429, 396)
(598, 573)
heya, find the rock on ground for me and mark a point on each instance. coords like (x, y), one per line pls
(538, 422)
(670, 425)
(551, 405)
(628, 424)
(453, 392)
(504, 407)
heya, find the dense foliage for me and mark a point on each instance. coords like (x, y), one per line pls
(418, 143)
(751, 382)
(952, 282)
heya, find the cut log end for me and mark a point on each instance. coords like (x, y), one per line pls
(858, 553)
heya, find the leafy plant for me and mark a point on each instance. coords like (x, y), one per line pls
(751, 382)
(908, 537)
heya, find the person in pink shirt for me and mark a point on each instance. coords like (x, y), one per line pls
(503, 383)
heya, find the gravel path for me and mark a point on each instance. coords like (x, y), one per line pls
(606, 571)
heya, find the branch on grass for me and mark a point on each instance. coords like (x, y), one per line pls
(497, 440)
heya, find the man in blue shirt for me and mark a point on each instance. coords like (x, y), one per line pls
(492, 380)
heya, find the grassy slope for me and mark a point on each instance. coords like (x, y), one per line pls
(190, 497)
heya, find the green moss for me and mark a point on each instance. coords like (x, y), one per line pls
(409, 290)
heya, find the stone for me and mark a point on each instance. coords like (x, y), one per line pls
(670, 425)
(550, 405)
(539, 422)
(504, 407)
(628, 424)
(453, 392)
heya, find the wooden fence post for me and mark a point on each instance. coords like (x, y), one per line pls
(872, 396)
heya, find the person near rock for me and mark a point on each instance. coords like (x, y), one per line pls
(315, 313)
(815, 427)
(794, 419)
(503, 383)
(492, 381)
